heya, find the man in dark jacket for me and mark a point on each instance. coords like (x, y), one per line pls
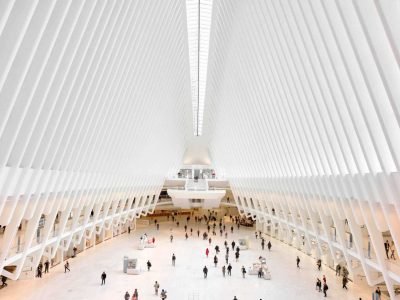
(103, 278)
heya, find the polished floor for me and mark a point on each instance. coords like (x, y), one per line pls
(184, 281)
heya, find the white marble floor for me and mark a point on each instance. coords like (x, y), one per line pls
(186, 279)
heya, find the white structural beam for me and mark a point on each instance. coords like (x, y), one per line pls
(95, 112)
(302, 113)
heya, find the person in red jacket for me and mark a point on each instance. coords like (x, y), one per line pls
(207, 251)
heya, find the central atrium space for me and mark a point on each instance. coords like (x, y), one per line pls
(199, 149)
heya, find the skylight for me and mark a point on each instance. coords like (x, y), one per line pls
(199, 14)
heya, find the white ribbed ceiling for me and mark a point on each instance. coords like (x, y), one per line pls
(299, 97)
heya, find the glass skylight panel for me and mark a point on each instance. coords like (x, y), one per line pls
(199, 14)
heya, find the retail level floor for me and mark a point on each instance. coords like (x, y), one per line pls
(186, 279)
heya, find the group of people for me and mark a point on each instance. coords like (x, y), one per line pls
(390, 249)
(135, 295)
(39, 269)
(322, 286)
(211, 224)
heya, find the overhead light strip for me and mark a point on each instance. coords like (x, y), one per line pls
(199, 14)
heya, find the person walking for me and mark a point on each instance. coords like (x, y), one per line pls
(233, 245)
(186, 235)
(262, 244)
(231, 229)
(344, 282)
(244, 272)
(226, 257)
(136, 294)
(209, 241)
(298, 262)
(392, 250)
(229, 270)
(234, 298)
(207, 252)
(318, 285)
(325, 289)
(378, 292)
(3, 281)
(198, 233)
(103, 278)
(127, 296)
(215, 260)
(173, 259)
(39, 271)
(148, 265)
(171, 238)
(269, 245)
(156, 287)
(223, 270)
(237, 256)
(66, 267)
(319, 263)
(205, 271)
(163, 294)
(338, 268)
(46, 266)
(387, 247)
